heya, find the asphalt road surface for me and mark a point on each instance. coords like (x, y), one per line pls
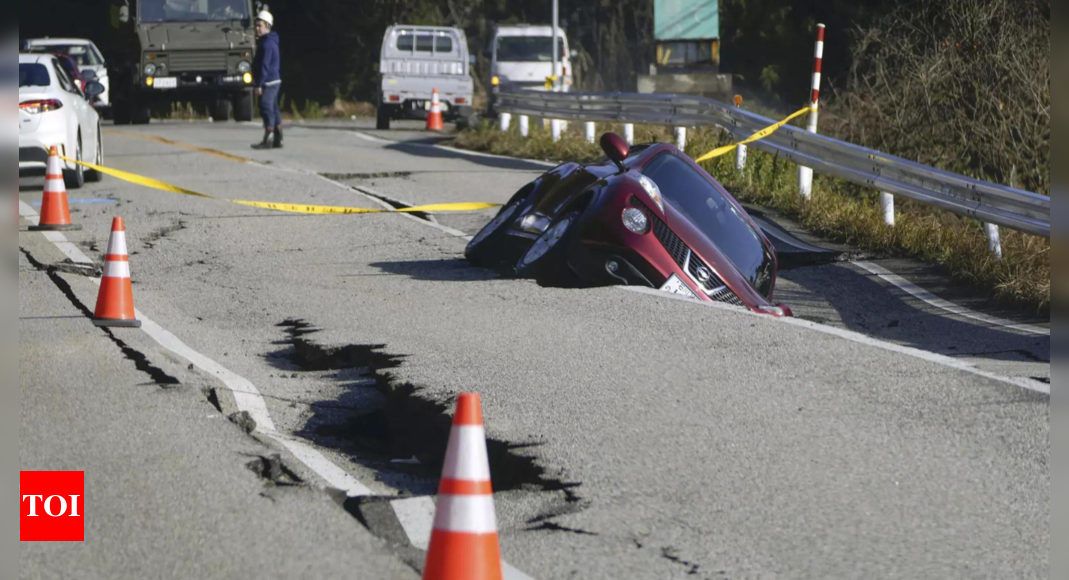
(633, 435)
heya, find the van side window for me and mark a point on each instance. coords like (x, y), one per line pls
(443, 44)
(404, 42)
(424, 43)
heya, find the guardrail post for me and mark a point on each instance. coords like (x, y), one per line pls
(554, 129)
(505, 119)
(740, 151)
(589, 130)
(525, 125)
(805, 174)
(629, 133)
(887, 208)
(994, 240)
(681, 138)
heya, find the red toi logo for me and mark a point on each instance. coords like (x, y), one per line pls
(52, 506)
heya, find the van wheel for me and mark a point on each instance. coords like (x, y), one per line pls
(383, 121)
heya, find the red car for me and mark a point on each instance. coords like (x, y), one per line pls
(642, 216)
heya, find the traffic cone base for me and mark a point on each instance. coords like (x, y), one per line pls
(115, 303)
(463, 556)
(55, 212)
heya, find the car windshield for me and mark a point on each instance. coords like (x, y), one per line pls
(81, 53)
(693, 196)
(192, 10)
(527, 49)
(33, 75)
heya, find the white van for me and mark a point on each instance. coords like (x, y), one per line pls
(521, 57)
(416, 60)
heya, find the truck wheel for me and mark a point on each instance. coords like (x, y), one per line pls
(120, 112)
(140, 113)
(221, 110)
(243, 105)
(383, 121)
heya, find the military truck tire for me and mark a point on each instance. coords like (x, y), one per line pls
(243, 105)
(221, 110)
(383, 121)
(140, 113)
(120, 112)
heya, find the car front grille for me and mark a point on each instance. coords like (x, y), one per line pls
(194, 61)
(677, 248)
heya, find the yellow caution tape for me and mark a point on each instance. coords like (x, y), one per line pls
(277, 206)
(755, 137)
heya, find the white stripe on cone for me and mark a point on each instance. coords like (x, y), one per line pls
(116, 269)
(117, 244)
(470, 514)
(465, 458)
(55, 186)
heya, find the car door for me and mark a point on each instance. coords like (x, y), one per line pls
(85, 117)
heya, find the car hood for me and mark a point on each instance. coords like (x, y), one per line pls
(195, 36)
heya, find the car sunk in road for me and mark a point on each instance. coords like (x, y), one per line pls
(54, 112)
(643, 216)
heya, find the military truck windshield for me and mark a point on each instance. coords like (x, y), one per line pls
(192, 10)
(527, 49)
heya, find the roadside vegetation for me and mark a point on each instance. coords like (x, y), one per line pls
(838, 210)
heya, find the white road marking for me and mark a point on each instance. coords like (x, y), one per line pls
(933, 300)
(859, 338)
(415, 514)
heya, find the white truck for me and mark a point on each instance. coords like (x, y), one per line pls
(414, 61)
(521, 57)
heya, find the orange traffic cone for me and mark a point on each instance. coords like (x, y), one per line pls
(464, 539)
(115, 303)
(55, 213)
(434, 117)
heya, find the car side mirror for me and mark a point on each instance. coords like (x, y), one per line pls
(93, 89)
(89, 75)
(615, 148)
(124, 14)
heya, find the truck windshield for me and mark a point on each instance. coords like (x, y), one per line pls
(527, 49)
(192, 10)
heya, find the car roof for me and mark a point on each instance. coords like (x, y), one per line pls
(527, 30)
(415, 28)
(35, 58)
(48, 41)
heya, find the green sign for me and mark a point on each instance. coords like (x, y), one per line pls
(686, 19)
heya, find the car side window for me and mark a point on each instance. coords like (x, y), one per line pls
(405, 42)
(424, 43)
(64, 81)
(443, 44)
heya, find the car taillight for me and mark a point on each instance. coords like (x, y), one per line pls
(395, 98)
(42, 106)
(461, 100)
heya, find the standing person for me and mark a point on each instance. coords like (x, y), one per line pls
(268, 80)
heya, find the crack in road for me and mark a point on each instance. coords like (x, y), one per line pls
(141, 362)
(149, 241)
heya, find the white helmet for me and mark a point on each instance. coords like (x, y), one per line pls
(266, 17)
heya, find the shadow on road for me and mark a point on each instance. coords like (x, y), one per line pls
(445, 270)
(428, 149)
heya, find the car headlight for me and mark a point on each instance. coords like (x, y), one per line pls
(636, 221)
(652, 190)
(149, 70)
(244, 67)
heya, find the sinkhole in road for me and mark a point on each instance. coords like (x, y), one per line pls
(384, 431)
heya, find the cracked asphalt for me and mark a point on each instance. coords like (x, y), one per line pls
(642, 437)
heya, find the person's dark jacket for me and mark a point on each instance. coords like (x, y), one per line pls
(265, 67)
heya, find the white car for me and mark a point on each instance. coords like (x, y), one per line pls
(84, 52)
(54, 112)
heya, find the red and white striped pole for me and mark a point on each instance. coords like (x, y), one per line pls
(805, 174)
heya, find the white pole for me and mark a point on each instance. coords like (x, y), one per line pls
(554, 129)
(525, 125)
(505, 119)
(589, 130)
(805, 174)
(629, 133)
(887, 207)
(994, 240)
(740, 158)
(556, 51)
(681, 138)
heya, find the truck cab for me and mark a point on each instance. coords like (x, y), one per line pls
(521, 58)
(197, 51)
(416, 60)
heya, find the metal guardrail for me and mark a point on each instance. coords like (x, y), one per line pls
(988, 202)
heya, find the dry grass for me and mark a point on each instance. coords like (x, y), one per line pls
(838, 211)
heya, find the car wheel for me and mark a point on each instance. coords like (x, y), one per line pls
(545, 260)
(221, 110)
(382, 123)
(75, 178)
(488, 249)
(93, 175)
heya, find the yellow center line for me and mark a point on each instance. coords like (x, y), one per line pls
(172, 143)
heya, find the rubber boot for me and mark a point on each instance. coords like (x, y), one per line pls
(278, 137)
(268, 142)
